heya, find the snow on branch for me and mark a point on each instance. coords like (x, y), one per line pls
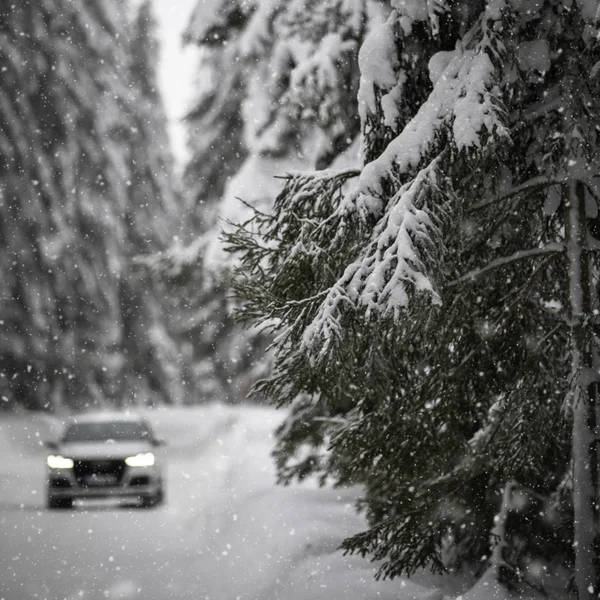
(322, 67)
(314, 196)
(411, 11)
(387, 223)
(464, 99)
(389, 269)
(378, 63)
(392, 259)
(462, 112)
(327, 327)
(394, 262)
(314, 82)
(173, 262)
(477, 108)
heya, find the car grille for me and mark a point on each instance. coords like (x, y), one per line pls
(60, 483)
(99, 473)
(141, 480)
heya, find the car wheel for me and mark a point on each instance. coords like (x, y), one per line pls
(60, 502)
(154, 500)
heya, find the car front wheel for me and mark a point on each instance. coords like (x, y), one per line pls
(60, 502)
(155, 499)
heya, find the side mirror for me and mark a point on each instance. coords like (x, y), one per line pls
(51, 445)
(158, 442)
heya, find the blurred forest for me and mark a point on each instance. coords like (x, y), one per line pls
(276, 92)
(85, 185)
(115, 278)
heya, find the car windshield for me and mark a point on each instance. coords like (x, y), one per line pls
(119, 431)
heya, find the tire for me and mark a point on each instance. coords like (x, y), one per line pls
(62, 503)
(155, 500)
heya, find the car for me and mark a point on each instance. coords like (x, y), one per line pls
(105, 455)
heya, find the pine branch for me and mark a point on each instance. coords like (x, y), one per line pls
(532, 185)
(552, 248)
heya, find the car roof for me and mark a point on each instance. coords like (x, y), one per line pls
(104, 416)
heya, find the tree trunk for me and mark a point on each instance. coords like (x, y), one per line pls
(583, 397)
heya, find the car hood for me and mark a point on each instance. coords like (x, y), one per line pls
(103, 449)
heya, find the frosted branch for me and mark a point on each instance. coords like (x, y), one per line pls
(461, 100)
(390, 266)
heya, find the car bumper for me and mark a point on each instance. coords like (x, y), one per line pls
(105, 492)
(135, 482)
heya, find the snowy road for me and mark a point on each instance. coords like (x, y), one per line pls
(225, 533)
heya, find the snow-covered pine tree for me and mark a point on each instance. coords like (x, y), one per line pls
(152, 353)
(269, 70)
(82, 182)
(434, 310)
(277, 90)
(215, 122)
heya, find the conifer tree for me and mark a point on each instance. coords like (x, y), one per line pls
(435, 309)
(278, 85)
(84, 185)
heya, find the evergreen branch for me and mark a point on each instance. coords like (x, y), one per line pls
(548, 336)
(324, 174)
(534, 184)
(253, 208)
(518, 295)
(308, 300)
(526, 118)
(526, 286)
(551, 248)
(593, 190)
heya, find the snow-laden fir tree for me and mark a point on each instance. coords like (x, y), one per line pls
(84, 185)
(268, 71)
(435, 307)
(277, 91)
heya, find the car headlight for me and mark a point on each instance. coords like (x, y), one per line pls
(140, 460)
(59, 462)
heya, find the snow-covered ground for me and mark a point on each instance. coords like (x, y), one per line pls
(226, 531)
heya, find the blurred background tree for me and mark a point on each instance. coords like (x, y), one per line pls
(277, 88)
(85, 184)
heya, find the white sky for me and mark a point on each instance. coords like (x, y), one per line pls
(176, 70)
